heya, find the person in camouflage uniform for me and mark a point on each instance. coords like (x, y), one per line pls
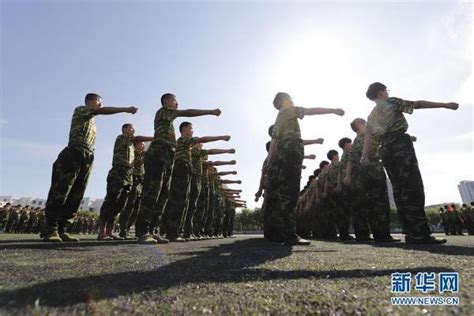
(129, 213)
(337, 214)
(345, 192)
(214, 183)
(197, 154)
(310, 206)
(303, 227)
(203, 206)
(119, 181)
(219, 210)
(159, 160)
(72, 168)
(324, 224)
(4, 216)
(176, 209)
(466, 213)
(32, 221)
(443, 213)
(13, 217)
(229, 218)
(370, 192)
(203, 201)
(455, 220)
(284, 170)
(387, 124)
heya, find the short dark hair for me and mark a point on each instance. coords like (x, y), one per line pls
(166, 97)
(374, 90)
(126, 125)
(356, 122)
(316, 172)
(280, 96)
(267, 145)
(91, 96)
(323, 163)
(311, 177)
(332, 153)
(270, 130)
(343, 141)
(183, 125)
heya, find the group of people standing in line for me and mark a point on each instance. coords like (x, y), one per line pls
(352, 189)
(170, 192)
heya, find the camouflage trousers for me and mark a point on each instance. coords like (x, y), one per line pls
(194, 193)
(229, 217)
(119, 184)
(303, 220)
(399, 159)
(71, 172)
(177, 206)
(326, 221)
(337, 213)
(209, 217)
(128, 215)
(158, 168)
(371, 205)
(282, 191)
(201, 210)
(218, 215)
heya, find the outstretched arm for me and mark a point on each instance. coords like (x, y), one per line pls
(108, 110)
(220, 151)
(207, 139)
(311, 157)
(222, 163)
(195, 112)
(320, 111)
(225, 173)
(143, 138)
(231, 181)
(434, 105)
(313, 141)
(232, 190)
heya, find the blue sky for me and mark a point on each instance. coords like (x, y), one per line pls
(234, 55)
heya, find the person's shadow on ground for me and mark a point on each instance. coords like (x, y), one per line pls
(226, 263)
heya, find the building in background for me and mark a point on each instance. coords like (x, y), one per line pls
(466, 189)
(87, 203)
(95, 205)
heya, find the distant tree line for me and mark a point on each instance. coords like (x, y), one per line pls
(251, 220)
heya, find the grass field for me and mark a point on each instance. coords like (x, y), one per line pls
(243, 275)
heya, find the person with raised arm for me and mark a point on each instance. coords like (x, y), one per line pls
(387, 124)
(368, 186)
(197, 185)
(119, 181)
(283, 170)
(159, 160)
(72, 168)
(177, 206)
(128, 215)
